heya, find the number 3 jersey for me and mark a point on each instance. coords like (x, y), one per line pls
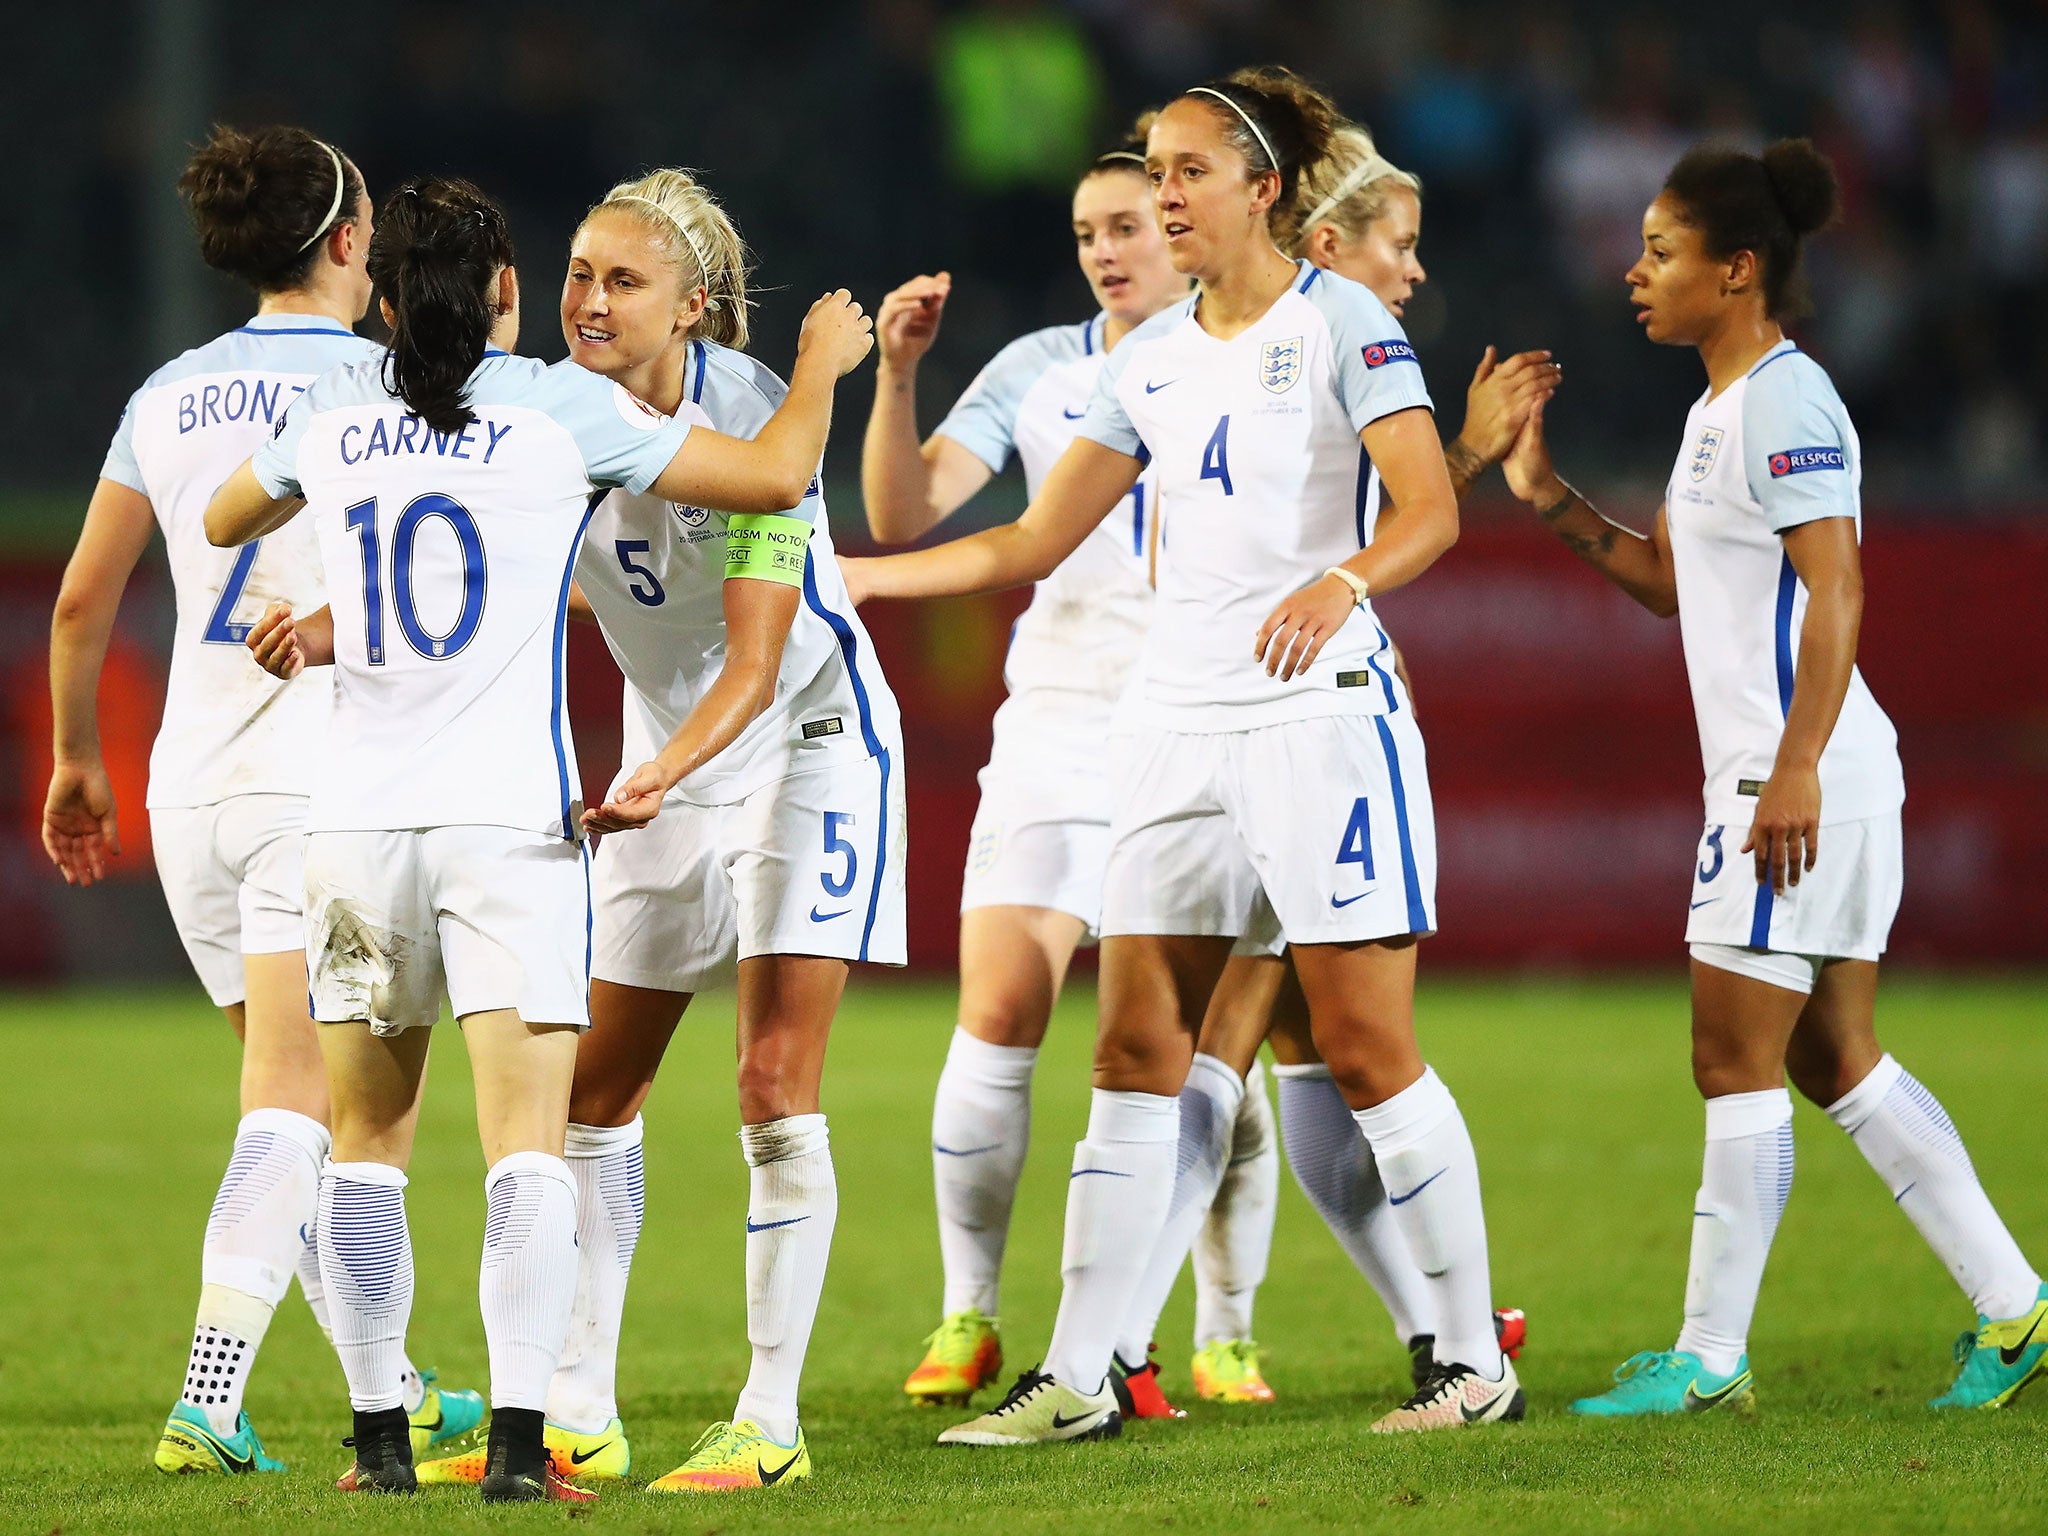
(448, 558)
(229, 727)
(1253, 445)
(655, 571)
(1772, 451)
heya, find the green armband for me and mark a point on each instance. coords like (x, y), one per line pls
(766, 548)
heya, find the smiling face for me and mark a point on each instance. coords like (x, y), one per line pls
(623, 303)
(1123, 255)
(1679, 290)
(1211, 206)
(1382, 256)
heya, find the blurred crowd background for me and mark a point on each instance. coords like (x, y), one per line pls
(860, 142)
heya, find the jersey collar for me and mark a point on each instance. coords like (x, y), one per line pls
(1787, 345)
(279, 322)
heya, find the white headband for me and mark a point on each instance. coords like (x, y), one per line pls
(1376, 167)
(696, 250)
(334, 207)
(1257, 132)
(1120, 154)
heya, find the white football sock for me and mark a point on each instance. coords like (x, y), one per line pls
(412, 1390)
(1117, 1197)
(1745, 1179)
(366, 1263)
(1334, 1165)
(527, 1281)
(981, 1129)
(611, 1196)
(1911, 1142)
(1237, 1235)
(267, 1195)
(1208, 1115)
(792, 1207)
(1431, 1176)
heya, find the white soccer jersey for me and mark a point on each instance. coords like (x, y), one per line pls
(1773, 450)
(229, 727)
(1253, 445)
(654, 572)
(448, 560)
(1086, 621)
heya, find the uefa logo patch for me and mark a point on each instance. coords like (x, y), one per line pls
(1704, 450)
(1280, 365)
(1378, 354)
(689, 517)
(1797, 461)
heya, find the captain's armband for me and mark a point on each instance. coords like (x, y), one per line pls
(763, 547)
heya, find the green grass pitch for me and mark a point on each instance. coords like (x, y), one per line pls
(117, 1123)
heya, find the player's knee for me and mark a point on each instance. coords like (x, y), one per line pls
(598, 1102)
(1000, 1019)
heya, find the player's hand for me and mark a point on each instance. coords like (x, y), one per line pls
(633, 804)
(838, 331)
(1293, 634)
(908, 323)
(274, 641)
(1530, 474)
(853, 570)
(78, 823)
(1499, 399)
(1785, 835)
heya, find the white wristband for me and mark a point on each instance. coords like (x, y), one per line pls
(1359, 590)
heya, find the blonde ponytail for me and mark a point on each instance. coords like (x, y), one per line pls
(699, 238)
(1349, 186)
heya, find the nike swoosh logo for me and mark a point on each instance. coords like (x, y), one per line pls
(826, 917)
(770, 1479)
(1393, 1199)
(2012, 1356)
(1473, 1415)
(1905, 1192)
(770, 1226)
(1153, 389)
(1695, 1400)
(1698, 904)
(1072, 415)
(965, 1151)
(435, 1427)
(1079, 1418)
(1111, 1172)
(1346, 901)
(577, 1458)
(212, 1442)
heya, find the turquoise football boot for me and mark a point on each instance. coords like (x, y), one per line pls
(1999, 1358)
(190, 1444)
(1673, 1381)
(443, 1415)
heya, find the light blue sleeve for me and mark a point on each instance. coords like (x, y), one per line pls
(738, 394)
(984, 419)
(276, 461)
(624, 442)
(120, 465)
(1796, 446)
(1108, 423)
(1378, 372)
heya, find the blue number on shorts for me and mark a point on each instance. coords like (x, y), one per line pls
(1138, 518)
(651, 595)
(834, 843)
(1216, 457)
(362, 522)
(1357, 845)
(1707, 873)
(221, 629)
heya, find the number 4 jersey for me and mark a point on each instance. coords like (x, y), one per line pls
(448, 559)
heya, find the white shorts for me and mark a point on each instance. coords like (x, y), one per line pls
(495, 917)
(1841, 909)
(231, 875)
(1330, 818)
(809, 865)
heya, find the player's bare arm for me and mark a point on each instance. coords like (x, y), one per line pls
(1640, 565)
(242, 510)
(911, 487)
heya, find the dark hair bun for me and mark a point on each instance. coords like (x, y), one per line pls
(1804, 183)
(262, 199)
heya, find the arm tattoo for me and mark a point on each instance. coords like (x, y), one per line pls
(1464, 467)
(1587, 546)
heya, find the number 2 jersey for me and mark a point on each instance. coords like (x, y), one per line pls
(229, 727)
(1253, 445)
(655, 571)
(1772, 451)
(448, 558)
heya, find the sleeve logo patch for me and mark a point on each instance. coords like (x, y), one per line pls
(1280, 365)
(1797, 461)
(1379, 353)
(634, 411)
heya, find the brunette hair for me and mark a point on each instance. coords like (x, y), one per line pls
(1767, 204)
(262, 201)
(439, 245)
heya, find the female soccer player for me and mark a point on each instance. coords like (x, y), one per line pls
(452, 485)
(1363, 222)
(1755, 550)
(1033, 887)
(287, 214)
(1276, 754)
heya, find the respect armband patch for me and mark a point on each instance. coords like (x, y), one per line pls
(763, 547)
(1380, 353)
(1799, 461)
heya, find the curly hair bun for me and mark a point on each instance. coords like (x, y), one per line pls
(1804, 184)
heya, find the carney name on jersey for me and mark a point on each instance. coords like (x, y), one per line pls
(1086, 622)
(1253, 445)
(449, 557)
(1773, 450)
(229, 728)
(654, 572)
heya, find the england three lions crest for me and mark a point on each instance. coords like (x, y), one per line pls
(1704, 450)
(1280, 365)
